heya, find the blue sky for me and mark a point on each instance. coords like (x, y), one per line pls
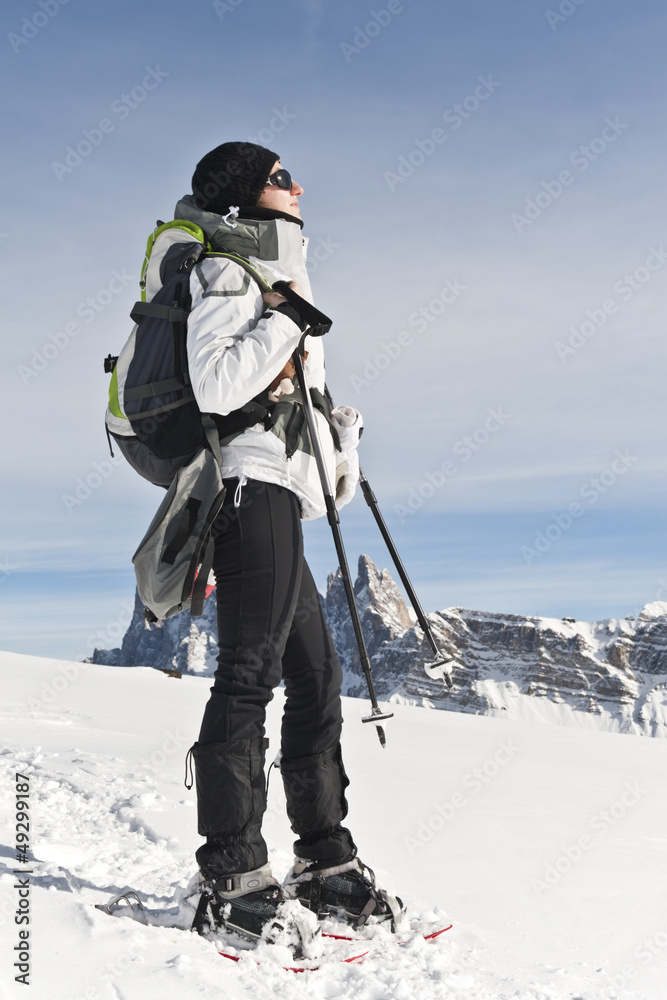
(484, 193)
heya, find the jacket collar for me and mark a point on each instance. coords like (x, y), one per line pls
(275, 244)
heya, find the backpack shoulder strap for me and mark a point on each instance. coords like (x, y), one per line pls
(243, 262)
(165, 234)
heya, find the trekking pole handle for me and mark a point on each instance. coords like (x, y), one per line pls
(318, 323)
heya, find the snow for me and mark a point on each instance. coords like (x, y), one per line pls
(545, 845)
(656, 609)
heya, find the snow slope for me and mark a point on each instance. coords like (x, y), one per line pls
(545, 845)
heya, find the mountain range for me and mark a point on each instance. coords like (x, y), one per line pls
(609, 674)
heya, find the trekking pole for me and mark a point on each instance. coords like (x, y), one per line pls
(377, 715)
(441, 666)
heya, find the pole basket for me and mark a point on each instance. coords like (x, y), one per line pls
(379, 717)
(440, 670)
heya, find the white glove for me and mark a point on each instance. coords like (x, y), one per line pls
(349, 424)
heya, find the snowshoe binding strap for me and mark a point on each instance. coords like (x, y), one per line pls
(202, 921)
(230, 886)
(324, 890)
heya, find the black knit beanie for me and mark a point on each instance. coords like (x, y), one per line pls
(232, 174)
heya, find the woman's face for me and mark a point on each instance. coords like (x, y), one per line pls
(281, 199)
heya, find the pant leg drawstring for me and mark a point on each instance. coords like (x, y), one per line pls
(188, 761)
(237, 496)
(274, 763)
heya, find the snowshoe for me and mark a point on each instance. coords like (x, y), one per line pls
(346, 891)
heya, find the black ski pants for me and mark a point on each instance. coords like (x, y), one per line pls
(270, 626)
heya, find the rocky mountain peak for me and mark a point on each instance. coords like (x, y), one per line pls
(610, 674)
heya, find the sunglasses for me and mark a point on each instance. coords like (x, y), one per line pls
(281, 179)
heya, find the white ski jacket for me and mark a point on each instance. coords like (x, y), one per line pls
(237, 346)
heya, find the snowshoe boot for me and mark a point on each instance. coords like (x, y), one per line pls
(346, 891)
(252, 906)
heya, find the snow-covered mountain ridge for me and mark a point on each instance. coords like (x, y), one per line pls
(609, 675)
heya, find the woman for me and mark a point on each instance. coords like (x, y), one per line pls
(270, 621)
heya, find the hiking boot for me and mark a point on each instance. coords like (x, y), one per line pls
(346, 891)
(242, 904)
(252, 906)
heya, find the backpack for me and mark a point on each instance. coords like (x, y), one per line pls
(153, 417)
(152, 414)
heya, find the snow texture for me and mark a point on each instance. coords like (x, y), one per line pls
(545, 846)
